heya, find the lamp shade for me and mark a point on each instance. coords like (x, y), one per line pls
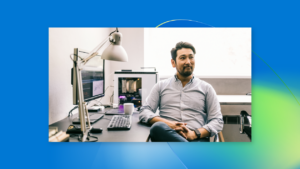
(115, 51)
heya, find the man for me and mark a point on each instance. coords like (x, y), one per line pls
(189, 108)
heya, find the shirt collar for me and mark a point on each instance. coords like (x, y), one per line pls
(176, 78)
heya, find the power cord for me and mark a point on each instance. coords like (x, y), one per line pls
(88, 138)
(112, 98)
(102, 97)
(70, 112)
(114, 31)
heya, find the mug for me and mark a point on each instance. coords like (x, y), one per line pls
(128, 108)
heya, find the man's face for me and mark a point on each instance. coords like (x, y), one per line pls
(185, 62)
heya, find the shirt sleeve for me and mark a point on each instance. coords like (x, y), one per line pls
(214, 122)
(147, 111)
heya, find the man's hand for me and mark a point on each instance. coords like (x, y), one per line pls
(178, 126)
(175, 125)
(187, 133)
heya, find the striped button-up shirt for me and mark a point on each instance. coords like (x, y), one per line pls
(195, 104)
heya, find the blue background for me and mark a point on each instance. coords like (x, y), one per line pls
(275, 84)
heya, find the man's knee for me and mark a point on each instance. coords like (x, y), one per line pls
(158, 128)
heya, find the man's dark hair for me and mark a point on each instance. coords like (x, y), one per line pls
(179, 46)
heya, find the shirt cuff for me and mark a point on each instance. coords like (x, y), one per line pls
(146, 116)
(211, 131)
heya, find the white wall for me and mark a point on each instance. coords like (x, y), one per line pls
(62, 42)
(220, 52)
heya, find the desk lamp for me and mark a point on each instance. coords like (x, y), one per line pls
(113, 52)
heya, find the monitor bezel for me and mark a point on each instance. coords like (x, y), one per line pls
(94, 97)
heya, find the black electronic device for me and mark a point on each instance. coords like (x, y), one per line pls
(96, 130)
(120, 122)
(93, 118)
(73, 129)
(94, 109)
(198, 134)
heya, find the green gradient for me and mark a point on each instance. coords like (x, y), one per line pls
(276, 127)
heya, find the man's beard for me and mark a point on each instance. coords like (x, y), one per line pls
(185, 73)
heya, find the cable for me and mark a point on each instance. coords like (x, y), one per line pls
(88, 138)
(111, 98)
(99, 101)
(71, 57)
(70, 112)
(92, 137)
(114, 31)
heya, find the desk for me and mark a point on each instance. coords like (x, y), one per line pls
(138, 133)
(234, 99)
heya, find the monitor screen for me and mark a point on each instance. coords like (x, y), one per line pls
(92, 82)
(92, 76)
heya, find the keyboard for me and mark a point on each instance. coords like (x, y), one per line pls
(120, 122)
(93, 118)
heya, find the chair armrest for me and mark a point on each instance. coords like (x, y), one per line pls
(219, 137)
(148, 139)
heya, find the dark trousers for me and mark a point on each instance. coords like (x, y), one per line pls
(161, 132)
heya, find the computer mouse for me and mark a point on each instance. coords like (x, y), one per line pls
(96, 130)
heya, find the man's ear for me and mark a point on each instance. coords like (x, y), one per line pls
(173, 63)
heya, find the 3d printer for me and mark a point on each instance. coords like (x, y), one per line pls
(133, 86)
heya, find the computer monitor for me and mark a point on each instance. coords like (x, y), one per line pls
(92, 77)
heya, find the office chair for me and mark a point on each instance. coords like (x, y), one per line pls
(219, 137)
(245, 118)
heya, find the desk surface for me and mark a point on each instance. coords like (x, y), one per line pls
(234, 99)
(138, 132)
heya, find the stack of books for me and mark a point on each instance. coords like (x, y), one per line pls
(55, 136)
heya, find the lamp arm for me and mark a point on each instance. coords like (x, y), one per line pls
(81, 105)
(94, 52)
